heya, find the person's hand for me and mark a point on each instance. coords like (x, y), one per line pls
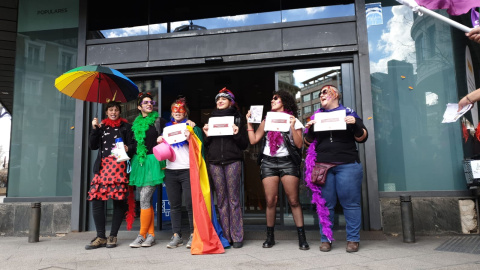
(350, 120)
(310, 123)
(463, 102)
(247, 116)
(474, 34)
(292, 121)
(205, 129)
(95, 123)
(187, 134)
(235, 129)
(191, 123)
(160, 139)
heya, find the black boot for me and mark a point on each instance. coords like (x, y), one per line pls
(270, 238)
(302, 241)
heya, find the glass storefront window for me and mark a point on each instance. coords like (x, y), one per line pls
(416, 68)
(270, 15)
(41, 154)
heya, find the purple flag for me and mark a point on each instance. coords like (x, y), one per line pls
(453, 7)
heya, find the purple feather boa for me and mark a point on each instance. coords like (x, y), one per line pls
(275, 139)
(322, 210)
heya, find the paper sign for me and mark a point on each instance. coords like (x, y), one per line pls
(220, 126)
(475, 165)
(277, 121)
(330, 121)
(256, 112)
(175, 133)
(451, 115)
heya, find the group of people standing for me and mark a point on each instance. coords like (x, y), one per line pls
(225, 155)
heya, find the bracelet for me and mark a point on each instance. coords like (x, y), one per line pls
(468, 99)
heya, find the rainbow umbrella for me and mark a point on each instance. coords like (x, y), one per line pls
(97, 84)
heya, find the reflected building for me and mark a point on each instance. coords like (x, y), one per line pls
(310, 92)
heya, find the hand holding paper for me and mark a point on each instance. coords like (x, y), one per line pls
(220, 126)
(451, 115)
(330, 121)
(277, 121)
(175, 133)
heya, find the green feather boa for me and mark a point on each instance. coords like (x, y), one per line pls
(139, 128)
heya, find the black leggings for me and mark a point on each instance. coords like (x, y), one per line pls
(99, 216)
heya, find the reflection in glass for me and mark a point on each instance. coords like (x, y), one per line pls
(240, 20)
(43, 130)
(305, 82)
(412, 74)
(323, 12)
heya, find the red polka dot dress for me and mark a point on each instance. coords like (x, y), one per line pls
(111, 182)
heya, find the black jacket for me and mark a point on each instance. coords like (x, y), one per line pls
(95, 142)
(228, 149)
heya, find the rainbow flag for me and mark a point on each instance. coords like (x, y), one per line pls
(205, 238)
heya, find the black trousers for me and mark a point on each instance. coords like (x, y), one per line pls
(99, 216)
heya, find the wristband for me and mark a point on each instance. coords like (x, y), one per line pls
(468, 99)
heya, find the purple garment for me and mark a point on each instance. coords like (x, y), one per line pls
(475, 16)
(453, 7)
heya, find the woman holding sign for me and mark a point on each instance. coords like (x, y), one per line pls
(280, 161)
(343, 181)
(177, 173)
(225, 155)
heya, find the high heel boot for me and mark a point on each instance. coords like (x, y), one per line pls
(302, 241)
(270, 238)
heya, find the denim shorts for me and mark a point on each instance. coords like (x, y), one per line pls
(278, 166)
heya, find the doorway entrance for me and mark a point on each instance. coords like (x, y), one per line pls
(255, 87)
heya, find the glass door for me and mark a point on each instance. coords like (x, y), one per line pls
(305, 85)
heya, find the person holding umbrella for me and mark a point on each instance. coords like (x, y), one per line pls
(110, 180)
(147, 172)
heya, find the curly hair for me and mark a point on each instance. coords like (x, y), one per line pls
(288, 101)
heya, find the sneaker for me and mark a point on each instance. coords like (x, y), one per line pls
(176, 241)
(149, 242)
(96, 243)
(111, 241)
(137, 242)
(189, 243)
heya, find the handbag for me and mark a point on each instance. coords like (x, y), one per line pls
(319, 173)
(294, 152)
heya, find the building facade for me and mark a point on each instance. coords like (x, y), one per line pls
(396, 69)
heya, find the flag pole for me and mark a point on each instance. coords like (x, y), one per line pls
(420, 10)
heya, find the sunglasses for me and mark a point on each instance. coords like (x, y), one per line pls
(145, 102)
(323, 92)
(275, 97)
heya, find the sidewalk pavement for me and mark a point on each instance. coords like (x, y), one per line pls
(377, 251)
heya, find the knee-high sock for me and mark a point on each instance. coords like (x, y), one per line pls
(151, 228)
(145, 220)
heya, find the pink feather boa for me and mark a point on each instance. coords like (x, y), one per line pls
(275, 139)
(322, 210)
